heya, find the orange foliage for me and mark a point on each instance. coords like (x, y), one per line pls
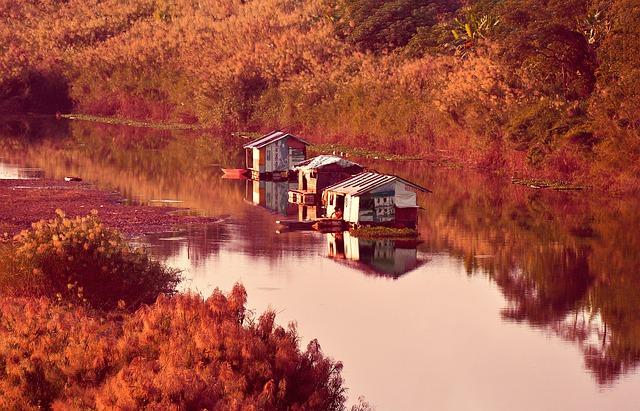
(532, 82)
(180, 353)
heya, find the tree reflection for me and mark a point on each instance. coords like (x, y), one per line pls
(568, 263)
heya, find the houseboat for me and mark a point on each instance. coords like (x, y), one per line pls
(317, 173)
(373, 199)
(272, 156)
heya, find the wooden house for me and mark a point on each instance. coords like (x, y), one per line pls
(317, 173)
(274, 154)
(373, 199)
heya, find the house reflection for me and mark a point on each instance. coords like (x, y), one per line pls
(379, 257)
(272, 195)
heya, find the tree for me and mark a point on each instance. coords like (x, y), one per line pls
(377, 25)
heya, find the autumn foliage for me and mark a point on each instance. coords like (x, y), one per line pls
(182, 352)
(86, 322)
(548, 89)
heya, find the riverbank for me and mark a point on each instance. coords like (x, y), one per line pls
(496, 161)
(25, 201)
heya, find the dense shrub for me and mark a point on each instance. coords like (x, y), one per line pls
(182, 352)
(80, 260)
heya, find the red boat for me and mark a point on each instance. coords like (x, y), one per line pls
(235, 173)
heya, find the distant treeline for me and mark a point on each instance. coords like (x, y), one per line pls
(549, 88)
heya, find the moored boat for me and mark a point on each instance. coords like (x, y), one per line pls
(235, 172)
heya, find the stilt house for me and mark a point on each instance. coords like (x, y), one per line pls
(374, 199)
(274, 154)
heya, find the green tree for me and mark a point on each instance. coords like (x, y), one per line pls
(377, 25)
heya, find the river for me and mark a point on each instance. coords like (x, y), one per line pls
(515, 298)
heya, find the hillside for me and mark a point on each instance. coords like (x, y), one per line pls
(545, 89)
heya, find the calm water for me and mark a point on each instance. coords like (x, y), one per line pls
(515, 298)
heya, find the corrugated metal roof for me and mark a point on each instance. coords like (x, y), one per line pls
(324, 160)
(270, 138)
(367, 181)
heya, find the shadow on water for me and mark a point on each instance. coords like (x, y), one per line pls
(565, 263)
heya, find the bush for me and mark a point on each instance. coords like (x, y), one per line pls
(81, 261)
(183, 352)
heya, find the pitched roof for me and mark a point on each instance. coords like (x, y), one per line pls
(367, 181)
(323, 160)
(270, 138)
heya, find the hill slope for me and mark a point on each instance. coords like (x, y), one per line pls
(537, 88)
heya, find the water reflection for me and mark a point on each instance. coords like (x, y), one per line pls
(531, 287)
(199, 243)
(378, 257)
(272, 195)
(13, 172)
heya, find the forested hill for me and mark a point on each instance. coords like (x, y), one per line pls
(533, 87)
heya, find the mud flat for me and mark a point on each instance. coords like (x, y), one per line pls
(25, 201)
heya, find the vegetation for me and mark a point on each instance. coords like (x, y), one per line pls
(81, 261)
(545, 90)
(68, 341)
(383, 232)
(356, 151)
(129, 122)
(181, 352)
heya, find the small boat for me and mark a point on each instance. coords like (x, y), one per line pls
(235, 173)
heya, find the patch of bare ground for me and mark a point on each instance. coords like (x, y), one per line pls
(25, 201)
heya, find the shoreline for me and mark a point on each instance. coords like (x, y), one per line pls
(535, 181)
(23, 202)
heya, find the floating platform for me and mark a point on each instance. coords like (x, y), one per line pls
(329, 225)
(297, 225)
(319, 224)
(271, 176)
